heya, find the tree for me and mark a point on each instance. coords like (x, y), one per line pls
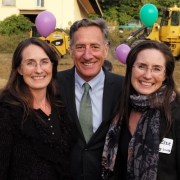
(123, 10)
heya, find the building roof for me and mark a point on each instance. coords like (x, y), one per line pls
(91, 6)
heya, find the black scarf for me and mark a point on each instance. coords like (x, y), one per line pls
(143, 150)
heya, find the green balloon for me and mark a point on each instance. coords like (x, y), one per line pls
(148, 14)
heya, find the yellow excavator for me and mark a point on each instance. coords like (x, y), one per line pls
(58, 40)
(168, 31)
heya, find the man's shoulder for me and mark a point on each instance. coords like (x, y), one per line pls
(114, 76)
(118, 76)
(64, 73)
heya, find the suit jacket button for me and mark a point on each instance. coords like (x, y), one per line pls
(86, 150)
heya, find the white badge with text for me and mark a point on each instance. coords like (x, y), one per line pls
(166, 146)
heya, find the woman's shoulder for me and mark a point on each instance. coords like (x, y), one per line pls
(7, 97)
(6, 110)
(10, 103)
(175, 111)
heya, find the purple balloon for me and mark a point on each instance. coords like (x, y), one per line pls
(122, 52)
(45, 23)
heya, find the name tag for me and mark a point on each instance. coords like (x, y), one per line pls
(166, 146)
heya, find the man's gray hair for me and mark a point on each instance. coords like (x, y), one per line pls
(99, 22)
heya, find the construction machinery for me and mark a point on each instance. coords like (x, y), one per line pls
(168, 31)
(58, 40)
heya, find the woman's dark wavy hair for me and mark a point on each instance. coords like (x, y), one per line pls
(16, 85)
(124, 105)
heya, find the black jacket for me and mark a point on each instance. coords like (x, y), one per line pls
(169, 164)
(85, 159)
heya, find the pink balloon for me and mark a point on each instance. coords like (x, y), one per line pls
(122, 52)
(45, 23)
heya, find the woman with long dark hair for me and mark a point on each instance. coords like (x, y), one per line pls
(36, 135)
(143, 141)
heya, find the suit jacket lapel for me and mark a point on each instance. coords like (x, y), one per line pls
(70, 96)
(108, 97)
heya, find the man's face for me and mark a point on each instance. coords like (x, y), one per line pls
(88, 51)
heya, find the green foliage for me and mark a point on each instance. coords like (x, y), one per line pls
(122, 11)
(111, 13)
(124, 18)
(15, 24)
(166, 3)
(93, 16)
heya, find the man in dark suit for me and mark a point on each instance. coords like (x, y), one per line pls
(89, 48)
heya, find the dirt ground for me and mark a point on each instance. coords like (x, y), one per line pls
(66, 62)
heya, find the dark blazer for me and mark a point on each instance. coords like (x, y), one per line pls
(169, 164)
(85, 160)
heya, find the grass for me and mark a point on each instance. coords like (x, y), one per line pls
(9, 43)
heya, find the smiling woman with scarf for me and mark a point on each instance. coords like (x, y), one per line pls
(143, 141)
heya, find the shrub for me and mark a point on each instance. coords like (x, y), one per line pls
(15, 24)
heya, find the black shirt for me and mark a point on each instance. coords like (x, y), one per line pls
(51, 121)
